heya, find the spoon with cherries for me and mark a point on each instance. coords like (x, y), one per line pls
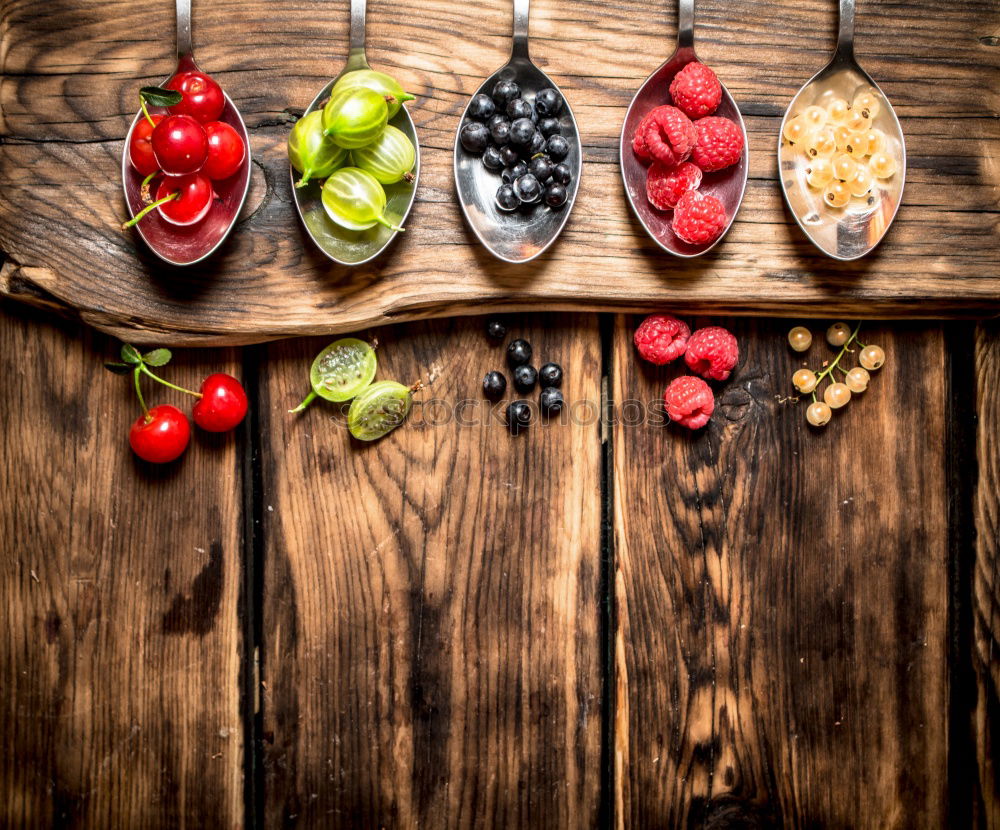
(186, 161)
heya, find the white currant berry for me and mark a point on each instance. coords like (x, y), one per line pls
(796, 129)
(836, 194)
(815, 117)
(820, 172)
(857, 146)
(837, 395)
(842, 136)
(882, 165)
(857, 122)
(837, 334)
(844, 167)
(818, 414)
(838, 110)
(800, 338)
(821, 144)
(872, 358)
(867, 103)
(804, 380)
(857, 379)
(862, 182)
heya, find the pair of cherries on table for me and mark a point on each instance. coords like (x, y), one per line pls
(186, 149)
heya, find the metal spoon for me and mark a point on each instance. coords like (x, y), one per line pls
(191, 244)
(850, 232)
(726, 185)
(339, 244)
(515, 237)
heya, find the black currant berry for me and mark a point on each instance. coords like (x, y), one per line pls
(548, 102)
(550, 374)
(558, 147)
(525, 378)
(494, 385)
(475, 137)
(550, 400)
(481, 107)
(518, 352)
(518, 416)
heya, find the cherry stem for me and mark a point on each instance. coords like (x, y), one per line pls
(308, 400)
(141, 214)
(145, 369)
(843, 350)
(138, 392)
(142, 103)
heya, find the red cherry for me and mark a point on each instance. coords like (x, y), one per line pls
(140, 147)
(203, 98)
(225, 151)
(180, 145)
(161, 435)
(223, 403)
(192, 203)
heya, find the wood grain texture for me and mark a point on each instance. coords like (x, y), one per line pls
(986, 578)
(431, 602)
(781, 594)
(71, 69)
(119, 663)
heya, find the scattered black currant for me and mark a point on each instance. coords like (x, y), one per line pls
(518, 416)
(496, 330)
(494, 385)
(518, 352)
(525, 378)
(550, 374)
(550, 400)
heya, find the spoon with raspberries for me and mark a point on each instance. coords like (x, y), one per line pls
(186, 162)
(684, 151)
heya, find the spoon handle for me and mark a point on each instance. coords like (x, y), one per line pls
(358, 27)
(519, 47)
(184, 47)
(685, 24)
(845, 37)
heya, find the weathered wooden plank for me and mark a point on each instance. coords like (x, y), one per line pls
(119, 651)
(985, 599)
(67, 101)
(430, 649)
(781, 636)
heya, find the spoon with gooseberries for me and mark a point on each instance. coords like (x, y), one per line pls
(186, 161)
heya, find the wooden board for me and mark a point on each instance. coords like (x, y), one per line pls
(71, 71)
(985, 582)
(431, 606)
(782, 599)
(120, 642)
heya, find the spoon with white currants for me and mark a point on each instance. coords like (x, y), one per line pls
(841, 154)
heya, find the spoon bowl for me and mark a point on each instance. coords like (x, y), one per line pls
(726, 185)
(513, 236)
(187, 245)
(341, 245)
(852, 231)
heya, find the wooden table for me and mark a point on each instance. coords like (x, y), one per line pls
(596, 623)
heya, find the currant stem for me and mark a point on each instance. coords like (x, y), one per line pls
(138, 392)
(843, 350)
(149, 118)
(142, 213)
(308, 400)
(145, 369)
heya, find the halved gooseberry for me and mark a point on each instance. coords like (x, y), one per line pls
(340, 371)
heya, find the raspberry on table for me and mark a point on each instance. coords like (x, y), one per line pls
(661, 338)
(689, 402)
(696, 90)
(669, 135)
(665, 185)
(719, 144)
(712, 352)
(699, 218)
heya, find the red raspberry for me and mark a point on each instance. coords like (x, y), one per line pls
(639, 140)
(689, 402)
(712, 352)
(665, 185)
(669, 135)
(696, 90)
(699, 218)
(720, 144)
(661, 338)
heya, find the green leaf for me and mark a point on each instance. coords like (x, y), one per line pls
(157, 357)
(118, 368)
(130, 354)
(157, 96)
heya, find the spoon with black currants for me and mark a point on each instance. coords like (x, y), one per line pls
(517, 156)
(189, 141)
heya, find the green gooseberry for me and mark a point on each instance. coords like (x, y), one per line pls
(355, 200)
(310, 152)
(379, 409)
(389, 158)
(381, 83)
(354, 117)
